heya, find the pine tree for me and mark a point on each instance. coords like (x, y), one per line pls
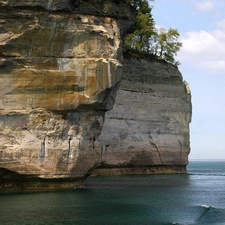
(138, 40)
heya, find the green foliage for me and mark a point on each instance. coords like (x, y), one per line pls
(138, 40)
(146, 39)
(165, 45)
(141, 5)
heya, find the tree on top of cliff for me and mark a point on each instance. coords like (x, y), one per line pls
(164, 44)
(139, 40)
(148, 40)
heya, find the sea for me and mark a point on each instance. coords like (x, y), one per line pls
(197, 197)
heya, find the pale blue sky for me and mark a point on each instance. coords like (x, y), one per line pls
(201, 24)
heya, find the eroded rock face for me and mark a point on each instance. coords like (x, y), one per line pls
(61, 69)
(60, 64)
(58, 61)
(147, 131)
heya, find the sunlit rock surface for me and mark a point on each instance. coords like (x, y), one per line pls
(60, 64)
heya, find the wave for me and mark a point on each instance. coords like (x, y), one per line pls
(199, 215)
(205, 206)
(207, 174)
(202, 215)
(211, 215)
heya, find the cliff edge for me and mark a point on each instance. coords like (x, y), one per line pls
(69, 103)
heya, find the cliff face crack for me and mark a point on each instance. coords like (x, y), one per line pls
(69, 152)
(181, 148)
(42, 153)
(156, 147)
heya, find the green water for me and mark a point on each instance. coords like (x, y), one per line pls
(194, 198)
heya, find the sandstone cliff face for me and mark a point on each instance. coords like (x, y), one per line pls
(59, 62)
(148, 126)
(69, 103)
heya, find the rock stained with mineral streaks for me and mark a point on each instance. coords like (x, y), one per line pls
(60, 62)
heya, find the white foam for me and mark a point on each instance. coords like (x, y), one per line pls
(205, 206)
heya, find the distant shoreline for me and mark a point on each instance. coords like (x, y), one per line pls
(206, 160)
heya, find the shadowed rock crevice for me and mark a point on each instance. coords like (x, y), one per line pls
(16, 181)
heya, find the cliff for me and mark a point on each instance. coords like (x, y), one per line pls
(147, 131)
(61, 72)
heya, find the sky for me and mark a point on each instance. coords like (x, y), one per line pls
(201, 24)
